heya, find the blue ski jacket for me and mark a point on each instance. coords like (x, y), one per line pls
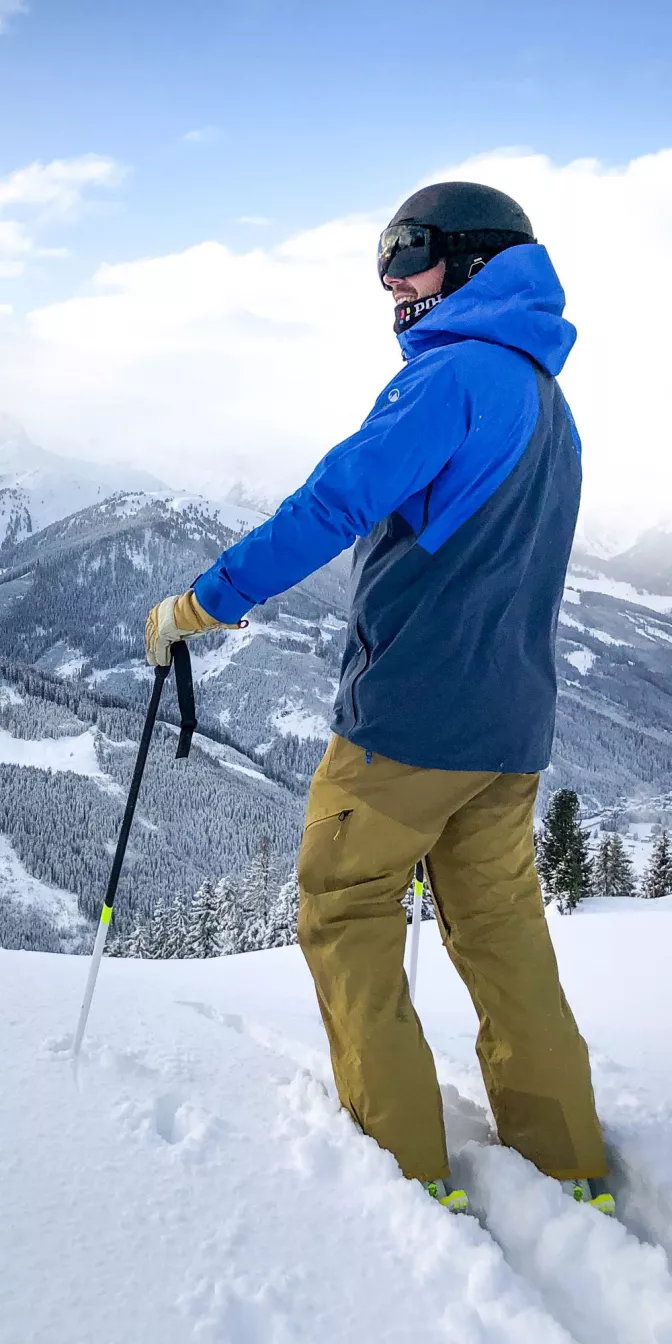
(461, 491)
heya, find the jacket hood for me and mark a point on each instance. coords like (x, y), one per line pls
(516, 300)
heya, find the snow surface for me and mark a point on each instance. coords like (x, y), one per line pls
(17, 885)
(9, 696)
(291, 718)
(76, 754)
(599, 583)
(581, 659)
(227, 756)
(51, 487)
(195, 1180)
(72, 664)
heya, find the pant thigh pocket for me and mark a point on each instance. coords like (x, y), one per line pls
(322, 852)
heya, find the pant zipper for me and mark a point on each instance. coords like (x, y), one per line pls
(342, 816)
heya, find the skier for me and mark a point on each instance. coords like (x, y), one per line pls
(461, 491)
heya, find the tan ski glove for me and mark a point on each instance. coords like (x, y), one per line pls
(177, 618)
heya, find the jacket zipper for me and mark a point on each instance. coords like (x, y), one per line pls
(362, 670)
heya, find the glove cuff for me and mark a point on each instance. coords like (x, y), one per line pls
(191, 617)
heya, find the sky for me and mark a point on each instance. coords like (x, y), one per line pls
(190, 198)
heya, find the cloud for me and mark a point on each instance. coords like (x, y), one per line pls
(210, 363)
(8, 8)
(48, 193)
(58, 186)
(203, 135)
(258, 221)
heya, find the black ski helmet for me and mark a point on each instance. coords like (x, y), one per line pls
(466, 224)
(464, 207)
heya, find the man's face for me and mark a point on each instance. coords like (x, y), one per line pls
(419, 286)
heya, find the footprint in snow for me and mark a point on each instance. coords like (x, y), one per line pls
(171, 1120)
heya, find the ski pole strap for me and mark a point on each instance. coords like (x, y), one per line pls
(184, 684)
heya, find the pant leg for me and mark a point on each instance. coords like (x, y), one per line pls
(535, 1064)
(366, 827)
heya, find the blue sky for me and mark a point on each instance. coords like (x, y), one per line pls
(191, 193)
(314, 109)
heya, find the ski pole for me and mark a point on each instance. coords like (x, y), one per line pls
(418, 890)
(185, 693)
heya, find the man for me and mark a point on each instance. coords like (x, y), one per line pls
(461, 490)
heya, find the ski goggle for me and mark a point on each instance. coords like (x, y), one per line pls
(408, 249)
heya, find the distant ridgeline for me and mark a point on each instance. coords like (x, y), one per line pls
(73, 600)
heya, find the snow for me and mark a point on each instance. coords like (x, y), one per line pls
(599, 583)
(72, 664)
(76, 754)
(655, 632)
(291, 718)
(565, 619)
(570, 595)
(227, 757)
(210, 663)
(9, 696)
(16, 884)
(581, 659)
(604, 638)
(195, 1179)
(50, 487)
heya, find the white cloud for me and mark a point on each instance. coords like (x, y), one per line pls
(9, 7)
(210, 363)
(47, 193)
(203, 135)
(59, 186)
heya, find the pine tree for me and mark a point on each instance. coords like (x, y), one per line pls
(562, 853)
(229, 921)
(176, 940)
(257, 894)
(116, 946)
(623, 869)
(613, 869)
(602, 867)
(259, 887)
(138, 942)
(159, 934)
(281, 928)
(203, 935)
(658, 876)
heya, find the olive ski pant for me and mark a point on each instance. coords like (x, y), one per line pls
(367, 826)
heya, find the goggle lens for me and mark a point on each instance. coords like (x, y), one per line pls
(405, 249)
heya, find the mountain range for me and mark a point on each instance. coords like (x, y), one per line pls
(75, 588)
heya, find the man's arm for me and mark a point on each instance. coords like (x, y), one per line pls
(401, 447)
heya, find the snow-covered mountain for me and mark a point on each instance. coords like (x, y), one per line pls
(66, 760)
(74, 598)
(73, 601)
(275, 680)
(199, 1181)
(38, 487)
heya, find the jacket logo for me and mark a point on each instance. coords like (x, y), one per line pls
(394, 395)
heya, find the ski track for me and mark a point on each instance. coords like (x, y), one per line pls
(324, 1148)
(530, 1267)
(621, 1289)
